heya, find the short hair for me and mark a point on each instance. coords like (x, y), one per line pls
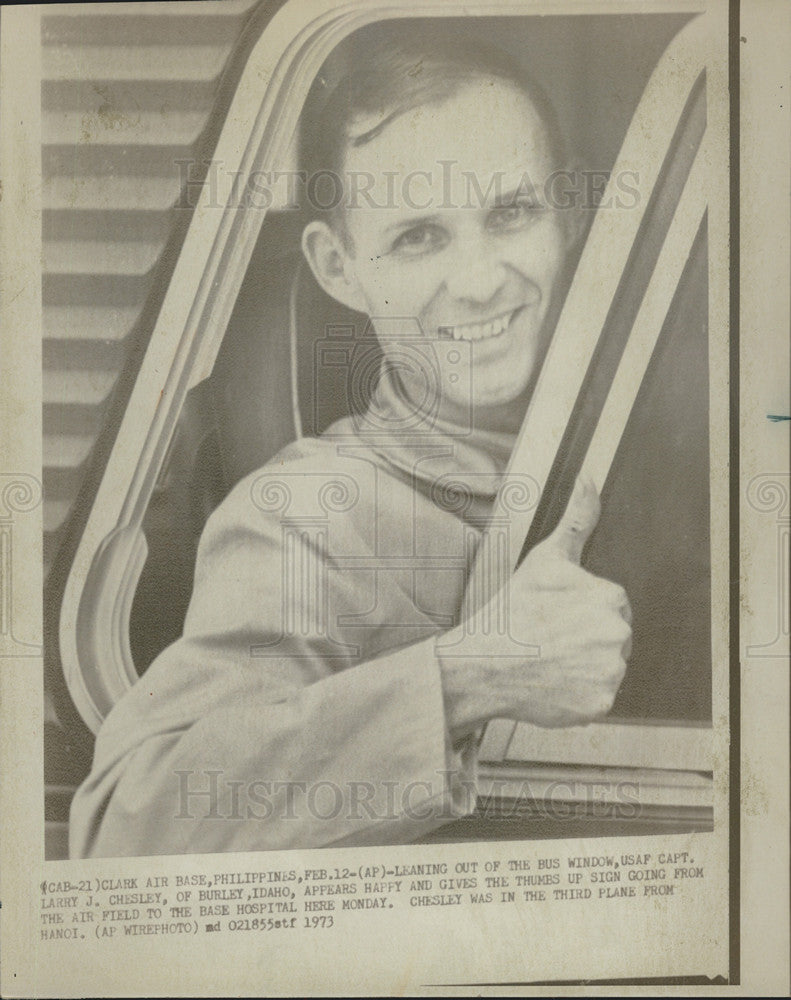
(392, 67)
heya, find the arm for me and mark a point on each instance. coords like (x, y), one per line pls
(218, 748)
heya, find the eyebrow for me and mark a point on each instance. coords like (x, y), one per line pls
(508, 197)
(417, 220)
(501, 199)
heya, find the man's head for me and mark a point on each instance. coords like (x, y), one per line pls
(443, 150)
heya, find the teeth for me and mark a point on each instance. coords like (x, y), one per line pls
(481, 331)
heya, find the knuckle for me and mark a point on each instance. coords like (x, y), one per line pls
(615, 595)
(612, 674)
(619, 671)
(602, 704)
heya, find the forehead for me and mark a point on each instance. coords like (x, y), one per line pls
(488, 128)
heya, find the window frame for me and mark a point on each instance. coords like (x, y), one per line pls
(96, 607)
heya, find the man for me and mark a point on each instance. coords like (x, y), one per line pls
(325, 691)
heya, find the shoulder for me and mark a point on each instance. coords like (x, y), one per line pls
(310, 478)
(304, 478)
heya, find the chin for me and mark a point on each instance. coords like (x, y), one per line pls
(503, 393)
(498, 400)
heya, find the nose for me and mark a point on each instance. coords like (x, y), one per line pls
(476, 275)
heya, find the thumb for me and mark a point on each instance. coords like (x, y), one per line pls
(579, 519)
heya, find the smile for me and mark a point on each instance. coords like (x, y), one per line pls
(479, 331)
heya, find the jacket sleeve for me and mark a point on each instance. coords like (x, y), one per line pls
(244, 736)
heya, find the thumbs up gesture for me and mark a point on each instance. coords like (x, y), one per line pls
(580, 623)
(574, 638)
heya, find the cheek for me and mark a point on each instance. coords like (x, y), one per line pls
(399, 288)
(541, 256)
(556, 249)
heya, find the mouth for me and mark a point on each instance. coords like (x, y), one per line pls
(492, 328)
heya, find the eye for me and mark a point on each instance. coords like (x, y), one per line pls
(514, 214)
(418, 240)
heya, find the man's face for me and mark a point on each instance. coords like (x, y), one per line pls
(462, 242)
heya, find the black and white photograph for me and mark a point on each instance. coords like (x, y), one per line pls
(317, 664)
(388, 495)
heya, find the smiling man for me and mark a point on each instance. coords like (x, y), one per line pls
(324, 692)
(466, 244)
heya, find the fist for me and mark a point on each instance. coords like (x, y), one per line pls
(569, 638)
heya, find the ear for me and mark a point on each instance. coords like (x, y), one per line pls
(332, 265)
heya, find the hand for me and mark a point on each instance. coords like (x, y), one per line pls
(564, 655)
